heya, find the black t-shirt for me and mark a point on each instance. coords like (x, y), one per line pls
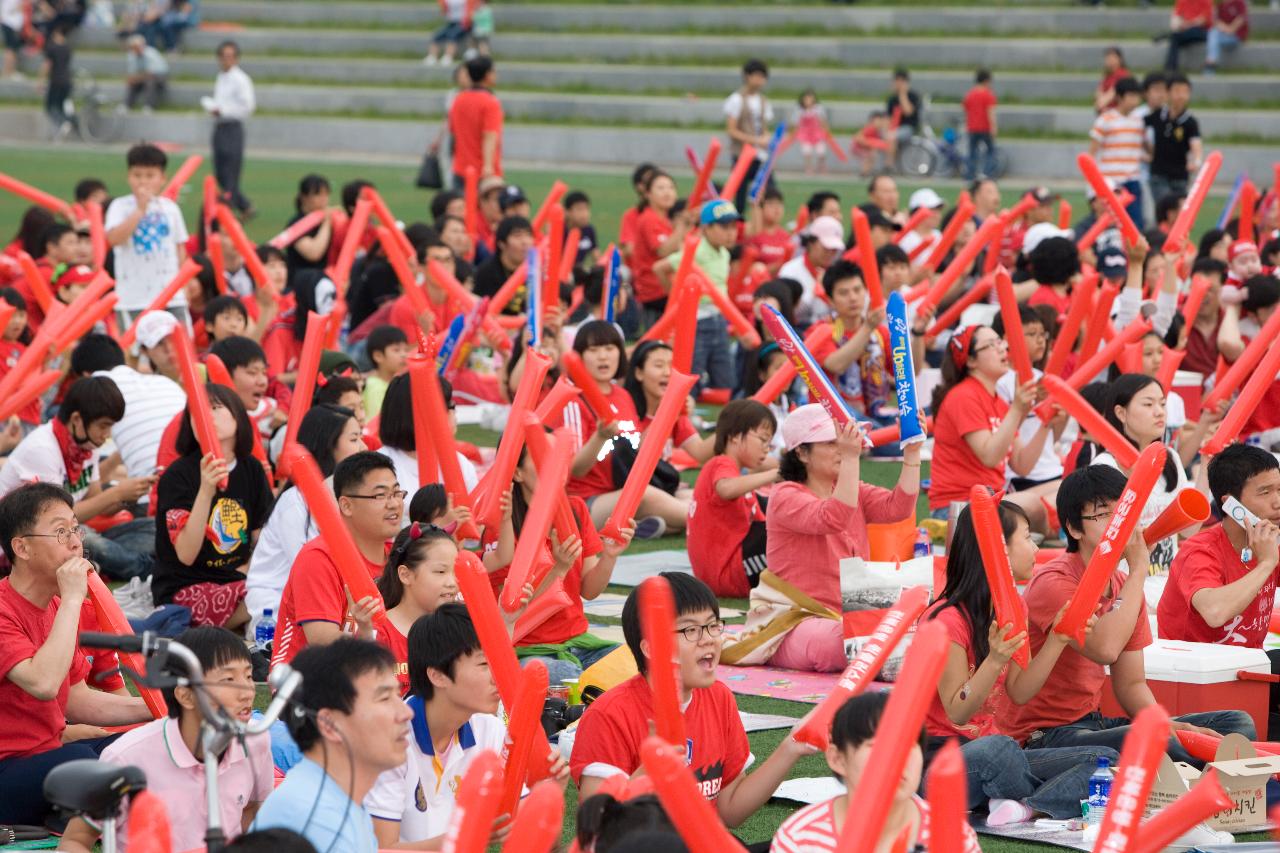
(912, 121)
(489, 278)
(1172, 143)
(59, 56)
(586, 243)
(237, 513)
(295, 259)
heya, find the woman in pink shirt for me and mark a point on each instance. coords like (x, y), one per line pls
(818, 516)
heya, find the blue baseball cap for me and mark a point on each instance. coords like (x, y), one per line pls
(719, 213)
(1113, 264)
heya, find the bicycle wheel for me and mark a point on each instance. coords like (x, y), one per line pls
(1001, 163)
(99, 121)
(916, 158)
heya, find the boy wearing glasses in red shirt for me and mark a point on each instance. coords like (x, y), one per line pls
(613, 727)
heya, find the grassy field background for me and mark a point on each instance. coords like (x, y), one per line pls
(271, 184)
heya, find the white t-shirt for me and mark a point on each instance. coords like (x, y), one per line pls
(11, 14)
(288, 528)
(151, 401)
(38, 459)
(148, 259)
(810, 309)
(417, 795)
(1048, 465)
(752, 113)
(407, 474)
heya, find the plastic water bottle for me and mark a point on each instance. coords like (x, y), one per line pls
(266, 630)
(1099, 791)
(924, 544)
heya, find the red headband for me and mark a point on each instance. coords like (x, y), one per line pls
(960, 343)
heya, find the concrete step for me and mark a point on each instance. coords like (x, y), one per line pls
(587, 146)
(709, 81)
(619, 110)
(818, 19)
(886, 52)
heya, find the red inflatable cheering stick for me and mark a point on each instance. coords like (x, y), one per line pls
(1144, 747)
(423, 375)
(1124, 518)
(476, 806)
(1204, 800)
(948, 800)
(522, 729)
(816, 728)
(867, 258)
(486, 507)
(305, 386)
(591, 393)
(658, 622)
(197, 397)
(1019, 358)
(1092, 174)
(112, 619)
(538, 824)
(693, 814)
(551, 480)
(995, 559)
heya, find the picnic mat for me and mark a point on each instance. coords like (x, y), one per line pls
(775, 683)
(631, 569)
(609, 604)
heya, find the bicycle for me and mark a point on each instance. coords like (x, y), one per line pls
(926, 154)
(91, 789)
(95, 116)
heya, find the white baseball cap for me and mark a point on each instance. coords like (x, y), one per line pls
(925, 198)
(827, 231)
(154, 327)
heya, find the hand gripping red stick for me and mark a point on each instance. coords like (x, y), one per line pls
(486, 509)
(1091, 421)
(183, 174)
(197, 398)
(1089, 168)
(948, 800)
(304, 386)
(112, 619)
(1204, 800)
(1247, 402)
(591, 393)
(995, 559)
(1195, 200)
(703, 180)
(899, 728)
(694, 817)
(537, 523)
(476, 806)
(651, 445)
(816, 728)
(867, 258)
(538, 824)
(1009, 309)
(525, 721)
(473, 583)
(745, 159)
(1144, 747)
(658, 623)
(1106, 556)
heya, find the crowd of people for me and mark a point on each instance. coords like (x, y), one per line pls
(176, 482)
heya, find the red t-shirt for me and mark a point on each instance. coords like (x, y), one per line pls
(984, 722)
(1202, 352)
(977, 106)
(773, 248)
(571, 621)
(314, 593)
(627, 227)
(10, 352)
(581, 421)
(1046, 295)
(398, 644)
(282, 347)
(968, 407)
(404, 318)
(614, 726)
(1110, 81)
(1074, 688)
(1198, 12)
(104, 664)
(717, 528)
(1266, 415)
(474, 113)
(1229, 11)
(651, 230)
(29, 726)
(1208, 561)
(681, 431)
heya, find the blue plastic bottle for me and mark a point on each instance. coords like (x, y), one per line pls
(266, 630)
(1100, 791)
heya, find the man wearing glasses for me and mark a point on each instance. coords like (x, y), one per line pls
(43, 671)
(614, 726)
(316, 607)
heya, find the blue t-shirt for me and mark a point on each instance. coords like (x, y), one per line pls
(313, 805)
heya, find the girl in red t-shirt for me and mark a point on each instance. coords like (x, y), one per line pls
(592, 475)
(727, 533)
(656, 236)
(647, 378)
(978, 683)
(975, 431)
(583, 565)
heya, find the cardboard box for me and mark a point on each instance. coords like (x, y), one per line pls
(1242, 773)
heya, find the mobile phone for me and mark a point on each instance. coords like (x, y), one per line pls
(1239, 513)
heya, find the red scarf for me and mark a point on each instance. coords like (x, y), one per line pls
(73, 455)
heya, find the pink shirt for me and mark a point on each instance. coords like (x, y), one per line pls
(809, 535)
(174, 775)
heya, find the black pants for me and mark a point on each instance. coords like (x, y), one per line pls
(55, 99)
(1179, 40)
(740, 200)
(22, 779)
(228, 160)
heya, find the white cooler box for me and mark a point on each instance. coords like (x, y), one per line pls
(1189, 678)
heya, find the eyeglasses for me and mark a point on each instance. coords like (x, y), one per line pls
(62, 534)
(693, 633)
(1097, 516)
(998, 343)
(385, 497)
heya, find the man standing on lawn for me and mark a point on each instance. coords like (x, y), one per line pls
(232, 103)
(475, 120)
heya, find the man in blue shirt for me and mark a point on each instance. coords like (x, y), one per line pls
(350, 724)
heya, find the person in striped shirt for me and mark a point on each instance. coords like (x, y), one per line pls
(1116, 142)
(817, 828)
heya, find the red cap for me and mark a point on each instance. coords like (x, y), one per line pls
(1242, 247)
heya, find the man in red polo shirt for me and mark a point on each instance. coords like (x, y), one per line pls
(475, 120)
(315, 607)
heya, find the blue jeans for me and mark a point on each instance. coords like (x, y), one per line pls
(124, 551)
(1219, 41)
(1052, 781)
(1135, 207)
(1160, 186)
(563, 670)
(1096, 730)
(22, 779)
(712, 361)
(987, 142)
(1179, 40)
